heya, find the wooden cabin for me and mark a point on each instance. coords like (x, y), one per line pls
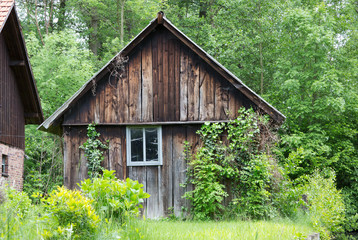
(149, 99)
(19, 100)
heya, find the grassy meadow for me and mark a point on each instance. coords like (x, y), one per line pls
(255, 230)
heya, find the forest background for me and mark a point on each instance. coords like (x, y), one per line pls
(299, 55)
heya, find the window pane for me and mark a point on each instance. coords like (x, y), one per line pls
(151, 140)
(137, 145)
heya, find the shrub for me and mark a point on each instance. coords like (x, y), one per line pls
(325, 204)
(72, 213)
(93, 148)
(18, 203)
(113, 197)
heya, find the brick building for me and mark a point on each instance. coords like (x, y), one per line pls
(19, 100)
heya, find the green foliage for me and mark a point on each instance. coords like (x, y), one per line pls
(113, 197)
(93, 151)
(60, 67)
(232, 154)
(43, 162)
(72, 213)
(17, 202)
(325, 204)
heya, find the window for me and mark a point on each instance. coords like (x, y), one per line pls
(144, 146)
(4, 166)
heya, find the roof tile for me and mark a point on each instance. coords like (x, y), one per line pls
(5, 7)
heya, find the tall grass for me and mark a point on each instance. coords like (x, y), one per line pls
(258, 230)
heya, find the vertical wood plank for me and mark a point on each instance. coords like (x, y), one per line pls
(113, 100)
(123, 95)
(155, 77)
(179, 136)
(97, 101)
(166, 92)
(171, 80)
(66, 158)
(207, 94)
(108, 111)
(141, 177)
(160, 83)
(135, 101)
(152, 188)
(193, 88)
(183, 84)
(147, 95)
(166, 186)
(83, 170)
(177, 80)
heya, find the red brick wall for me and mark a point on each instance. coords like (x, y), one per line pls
(15, 158)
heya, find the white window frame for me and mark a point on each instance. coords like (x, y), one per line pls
(144, 162)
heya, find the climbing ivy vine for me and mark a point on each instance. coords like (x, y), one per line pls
(232, 162)
(93, 148)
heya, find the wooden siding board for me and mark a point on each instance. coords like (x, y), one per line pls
(155, 77)
(179, 136)
(12, 119)
(160, 82)
(147, 94)
(165, 88)
(193, 88)
(183, 84)
(152, 183)
(177, 80)
(166, 184)
(123, 98)
(135, 85)
(171, 80)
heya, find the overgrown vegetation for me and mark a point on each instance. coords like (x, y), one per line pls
(235, 162)
(114, 198)
(72, 214)
(93, 148)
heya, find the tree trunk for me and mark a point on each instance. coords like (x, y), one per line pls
(61, 16)
(93, 38)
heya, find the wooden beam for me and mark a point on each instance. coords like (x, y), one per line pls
(17, 63)
(145, 123)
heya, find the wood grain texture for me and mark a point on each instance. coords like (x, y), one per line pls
(183, 84)
(193, 88)
(12, 118)
(135, 88)
(147, 78)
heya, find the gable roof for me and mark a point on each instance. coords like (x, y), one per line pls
(19, 61)
(52, 123)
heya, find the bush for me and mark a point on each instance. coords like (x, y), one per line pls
(72, 213)
(325, 204)
(234, 160)
(18, 203)
(113, 197)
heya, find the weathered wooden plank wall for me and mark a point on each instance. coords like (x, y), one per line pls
(12, 118)
(165, 81)
(161, 182)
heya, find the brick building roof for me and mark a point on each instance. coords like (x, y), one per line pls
(5, 9)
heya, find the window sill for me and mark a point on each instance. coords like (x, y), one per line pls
(143, 164)
(5, 175)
